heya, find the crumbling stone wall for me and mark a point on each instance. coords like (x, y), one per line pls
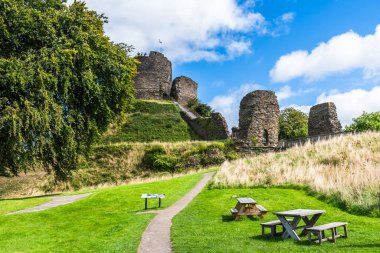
(209, 128)
(323, 120)
(154, 77)
(184, 89)
(258, 120)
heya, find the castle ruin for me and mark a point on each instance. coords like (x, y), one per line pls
(184, 89)
(154, 78)
(323, 120)
(258, 120)
(154, 82)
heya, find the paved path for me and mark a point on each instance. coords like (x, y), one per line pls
(56, 201)
(156, 238)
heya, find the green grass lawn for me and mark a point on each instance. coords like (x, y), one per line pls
(106, 221)
(206, 224)
(13, 205)
(152, 121)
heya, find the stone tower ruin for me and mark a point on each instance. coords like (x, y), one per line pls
(184, 89)
(154, 77)
(323, 120)
(258, 119)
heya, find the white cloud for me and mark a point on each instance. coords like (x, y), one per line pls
(349, 104)
(302, 108)
(352, 104)
(285, 93)
(190, 30)
(228, 105)
(342, 53)
(287, 17)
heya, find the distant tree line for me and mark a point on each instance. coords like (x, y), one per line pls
(62, 82)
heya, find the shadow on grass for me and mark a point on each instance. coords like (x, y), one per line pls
(374, 245)
(267, 238)
(34, 197)
(230, 218)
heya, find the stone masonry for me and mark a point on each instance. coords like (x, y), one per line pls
(323, 120)
(258, 120)
(184, 89)
(154, 77)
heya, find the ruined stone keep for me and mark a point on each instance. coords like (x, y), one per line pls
(154, 77)
(323, 120)
(184, 89)
(258, 119)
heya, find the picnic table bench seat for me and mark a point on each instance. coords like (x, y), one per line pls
(272, 225)
(262, 209)
(320, 231)
(248, 207)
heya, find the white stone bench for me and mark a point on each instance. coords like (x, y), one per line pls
(320, 231)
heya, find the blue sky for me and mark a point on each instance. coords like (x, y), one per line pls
(307, 51)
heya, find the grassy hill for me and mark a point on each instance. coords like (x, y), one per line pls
(345, 169)
(151, 121)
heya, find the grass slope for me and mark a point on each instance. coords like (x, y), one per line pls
(206, 224)
(152, 121)
(345, 169)
(13, 205)
(103, 222)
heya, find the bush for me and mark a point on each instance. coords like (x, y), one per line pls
(365, 122)
(203, 110)
(293, 124)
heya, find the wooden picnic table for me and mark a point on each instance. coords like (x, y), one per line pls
(147, 196)
(292, 225)
(248, 207)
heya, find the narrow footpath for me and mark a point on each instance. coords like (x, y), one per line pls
(156, 238)
(56, 201)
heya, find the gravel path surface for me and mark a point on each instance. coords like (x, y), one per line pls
(156, 238)
(56, 201)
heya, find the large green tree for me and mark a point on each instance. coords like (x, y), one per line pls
(365, 122)
(293, 124)
(62, 81)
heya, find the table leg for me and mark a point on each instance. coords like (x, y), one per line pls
(309, 222)
(159, 202)
(146, 204)
(289, 227)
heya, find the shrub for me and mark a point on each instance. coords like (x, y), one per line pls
(203, 110)
(365, 122)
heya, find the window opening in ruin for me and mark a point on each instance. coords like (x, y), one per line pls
(265, 139)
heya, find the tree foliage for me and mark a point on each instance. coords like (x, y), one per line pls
(365, 122)
(293, 124)
(202, 109)
(62, 81)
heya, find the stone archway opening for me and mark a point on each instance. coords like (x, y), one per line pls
(265, 137)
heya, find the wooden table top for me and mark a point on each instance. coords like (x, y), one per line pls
(153, 196)
(299, 212)
(246, 201)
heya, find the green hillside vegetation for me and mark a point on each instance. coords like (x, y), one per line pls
(151, 121)
(121, 163)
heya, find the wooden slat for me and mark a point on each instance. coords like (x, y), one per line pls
(261, 208)
(327, 226)
(246, 201)
(300, 212)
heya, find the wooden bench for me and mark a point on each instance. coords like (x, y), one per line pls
(261, 209)
(272, 225)
(320, 231)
